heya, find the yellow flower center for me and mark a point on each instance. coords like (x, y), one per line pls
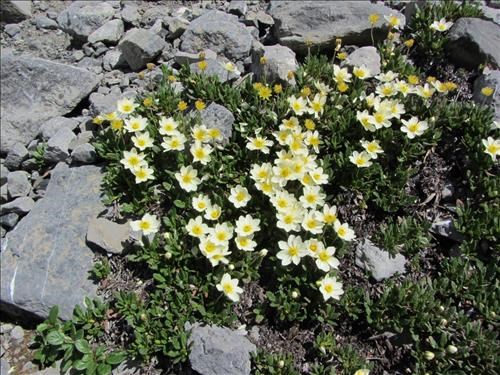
(341, 232)
(145, 225)
(228, 288)
(323, 256)
(293, 251)
(329, 288)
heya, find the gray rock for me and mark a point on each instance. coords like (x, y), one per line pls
(4, 193)
(78, 55)
(3, 232)
(91, 64)
(15, 10)
(259, 18)
(35, 90)
(43, 22)
(220, 32)
(4, 366)
(238, 8)
(279, 61)
(20, 206)
(378, 262)
(218, 350)
(130, 14)
(6, 328)
(110, 33)
(16, 155)
(29, 164)
(82, 138)
(113, 59)
(82, 18)
(108, 235)
(17, 334)
(140, 46)
(99, 48)
(58, 146)
(491, 13)
(367, 56)
(176, 26)
(158, 29)
(300, 24)
(18, 184)
(489, 79)
(12, 29)
(473, 41)
(190, 58)
(84, 154)
(44, 260)
(52, 126)
(100, 103)
(218, 116)
(4, 171)
(214, 69)
(445, 228)
(8, 221)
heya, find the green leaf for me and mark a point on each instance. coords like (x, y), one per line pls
(80, 364)
(116, 358)
(55, 338)
(42, 327)
(83, 346)
(104, 369)
(179, 203)
(54, 311)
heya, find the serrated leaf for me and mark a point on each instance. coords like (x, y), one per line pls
(83, 346)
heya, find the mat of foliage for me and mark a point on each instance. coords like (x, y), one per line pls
(348, 154)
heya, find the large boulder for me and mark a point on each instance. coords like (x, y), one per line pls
(218, 350)
(220, 32)
(45, 260)
(82, 18)
(301, 24)
(110, 32)
(279, 61)
(15, 10)
(35, 90)
(140, 46)
(473, 41)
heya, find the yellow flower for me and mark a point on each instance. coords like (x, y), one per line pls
(487, 91)
(309, 124)
(150, 66)
(290, 75)
(263, 60)
(201, 55)
(98, 120)
(305, 92)
(373, 18)
(264, 92)
(451, 86)
(342, 87)
(409, 43)
(257, 85)
(431, 79)
(393, 21)
(172, 78)
(117, 124)
(182, 106)
(148, 102)
(140, 75)
(199, 104)
(414, 80)
(278, 89)
(342, 56)
(202, 65)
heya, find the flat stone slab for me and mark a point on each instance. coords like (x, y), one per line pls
(45, 260)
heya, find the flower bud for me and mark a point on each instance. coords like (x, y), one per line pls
(263, 252)
(168, 255)
(452, 349)
(429, 355)
(444, 322)
(295, 294)
(143, 317)
(231, 267)
(441, 308)
(281, 364)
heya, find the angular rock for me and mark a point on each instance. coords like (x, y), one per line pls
(237, 7)
(82, 138)
(130, 14)
(140, 46)
(491, 14)
(218, 116)
(219, 350)
(473, 41)
(8, 221)
(19, 206)
(43, 22)
(16, 155)
(378, 262)
(100, 103)
(15, 10)
(279, 61)
(12, 29)
(35, 90)
(300, 24)
(113, 59)
(110, 33)
(82, 18)
(18, 184)
(220, 32)
(259, 18)
(176, 26)
(446, 229)
(190, 58)
(4, 171)
(17, 333)
(84, 154)
(367, 56)
(4, 194)
(489, 79)
(108, 235)
(44, 260)
(52, 126)
(58, 146)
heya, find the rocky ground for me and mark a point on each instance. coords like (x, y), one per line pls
(64, 62)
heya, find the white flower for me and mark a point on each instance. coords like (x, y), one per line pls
(325, 260)
(330, 288)
(245, 243)
(259, 143)
(361, 72)
(213, 212)
(142, 141)
(219, 256)
(312, 197)
(174, 142)
(239, 196)
(247, 225)
(136, 124)
(441, 25)
(126, 106)
(200, 203)
(425, 91)
(362, 371)
(143, 173)
(201, 153)
(314, 246)
(230, 288)
(413, 127)
(343, 231)
(361, 160)
(230, 67)
(393, 21)
(318, 176)
(387, 77)
(222, 233)
(317, 105)
(188, 178)
(365, 119)
(290, 219)
(200, 133)
(291, 251)
(492, 147)
(149, 224)
(380, 119)
(298, 105)
(372, 148)
(168, 126)
(132, 160)
(329, 214)
(209, 248)
(341, 74)
(196, 227)
(312, 222)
